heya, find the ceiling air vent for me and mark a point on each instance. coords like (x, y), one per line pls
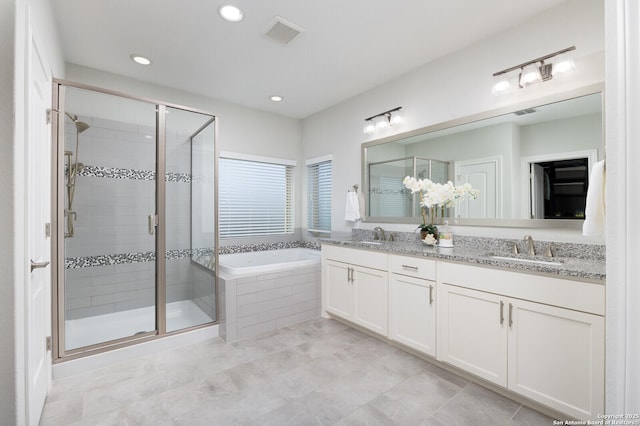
(525, 111)
(282, 31)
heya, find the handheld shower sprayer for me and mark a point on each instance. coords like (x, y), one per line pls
(73, 167)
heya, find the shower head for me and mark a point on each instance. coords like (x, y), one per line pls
(81, 126)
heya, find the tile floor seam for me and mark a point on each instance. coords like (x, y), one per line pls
(260, 379)
(514, 415)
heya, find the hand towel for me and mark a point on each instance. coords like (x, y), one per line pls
(352, 211)
(595, 210)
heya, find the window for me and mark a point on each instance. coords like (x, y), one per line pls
(256, 196)
(319, 195)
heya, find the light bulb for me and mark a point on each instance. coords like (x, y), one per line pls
(397, 117)
(382, 122)
(369, 127)
(530, 75)
(563, 64)
(501, 84)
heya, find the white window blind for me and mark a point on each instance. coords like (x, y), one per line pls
(255, 198)
(319, 197)
(394, 201)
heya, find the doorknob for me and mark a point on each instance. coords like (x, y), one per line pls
(36, 265)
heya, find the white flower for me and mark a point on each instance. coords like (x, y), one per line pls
(412, 184)
(438, 194)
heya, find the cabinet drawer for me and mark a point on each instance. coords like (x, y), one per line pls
(413, 267)
(366, 258)
(564, 293)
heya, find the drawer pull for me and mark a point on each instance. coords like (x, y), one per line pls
(350, 274)
(501, 312)
(413, 268)
(431, 295)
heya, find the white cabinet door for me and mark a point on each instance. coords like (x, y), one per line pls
(339, 292)
(371, 295)
(412, 313)
(472, 333)
(556, 357)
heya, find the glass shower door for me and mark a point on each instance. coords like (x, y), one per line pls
(108, 195)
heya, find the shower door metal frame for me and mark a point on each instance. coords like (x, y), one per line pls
(59, 354)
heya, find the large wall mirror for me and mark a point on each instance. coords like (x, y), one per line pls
(530, 163)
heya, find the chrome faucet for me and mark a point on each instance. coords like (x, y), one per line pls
(529, 240)
(375, 230)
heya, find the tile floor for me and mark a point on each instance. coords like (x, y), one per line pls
(316, 373)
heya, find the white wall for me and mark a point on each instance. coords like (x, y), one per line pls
(240, 129)
(456, 86)
(15, 33)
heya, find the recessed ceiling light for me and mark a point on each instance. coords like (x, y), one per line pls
(139, 59)
(276, 98)
(230, 13)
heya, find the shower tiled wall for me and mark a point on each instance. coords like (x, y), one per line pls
(115, 194)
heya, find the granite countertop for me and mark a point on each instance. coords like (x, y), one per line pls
(587, 268)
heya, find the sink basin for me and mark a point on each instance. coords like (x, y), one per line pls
(526, 260)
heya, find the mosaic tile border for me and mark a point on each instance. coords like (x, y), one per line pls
(150, 256)
(118, 173)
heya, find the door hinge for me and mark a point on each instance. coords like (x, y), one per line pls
(47, 230)
(48, 343)
(50, 112)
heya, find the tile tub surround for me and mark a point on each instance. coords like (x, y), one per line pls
(317, 372)
(267, 302)
(581, 261)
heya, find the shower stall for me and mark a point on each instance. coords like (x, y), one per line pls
(135, 229)
(388, 196)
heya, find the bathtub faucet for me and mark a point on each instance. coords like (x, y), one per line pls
(375, 235)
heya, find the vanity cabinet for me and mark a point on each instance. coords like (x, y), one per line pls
(528, 333)
(412, 305)
(355, 286)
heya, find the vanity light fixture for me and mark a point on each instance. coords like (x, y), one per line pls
(383, 120)
(534, 71)
(139, 59)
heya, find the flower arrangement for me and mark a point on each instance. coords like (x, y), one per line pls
(434, 195)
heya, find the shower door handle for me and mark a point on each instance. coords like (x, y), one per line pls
(153, 222)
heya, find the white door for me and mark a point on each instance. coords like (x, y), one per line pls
(412, 314)
(339, 291)
(484, 175)
(371, 299)
(538, 191)
(556, 357)
(472, 332)
(37, 292)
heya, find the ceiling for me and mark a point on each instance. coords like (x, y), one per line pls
(347, 46)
